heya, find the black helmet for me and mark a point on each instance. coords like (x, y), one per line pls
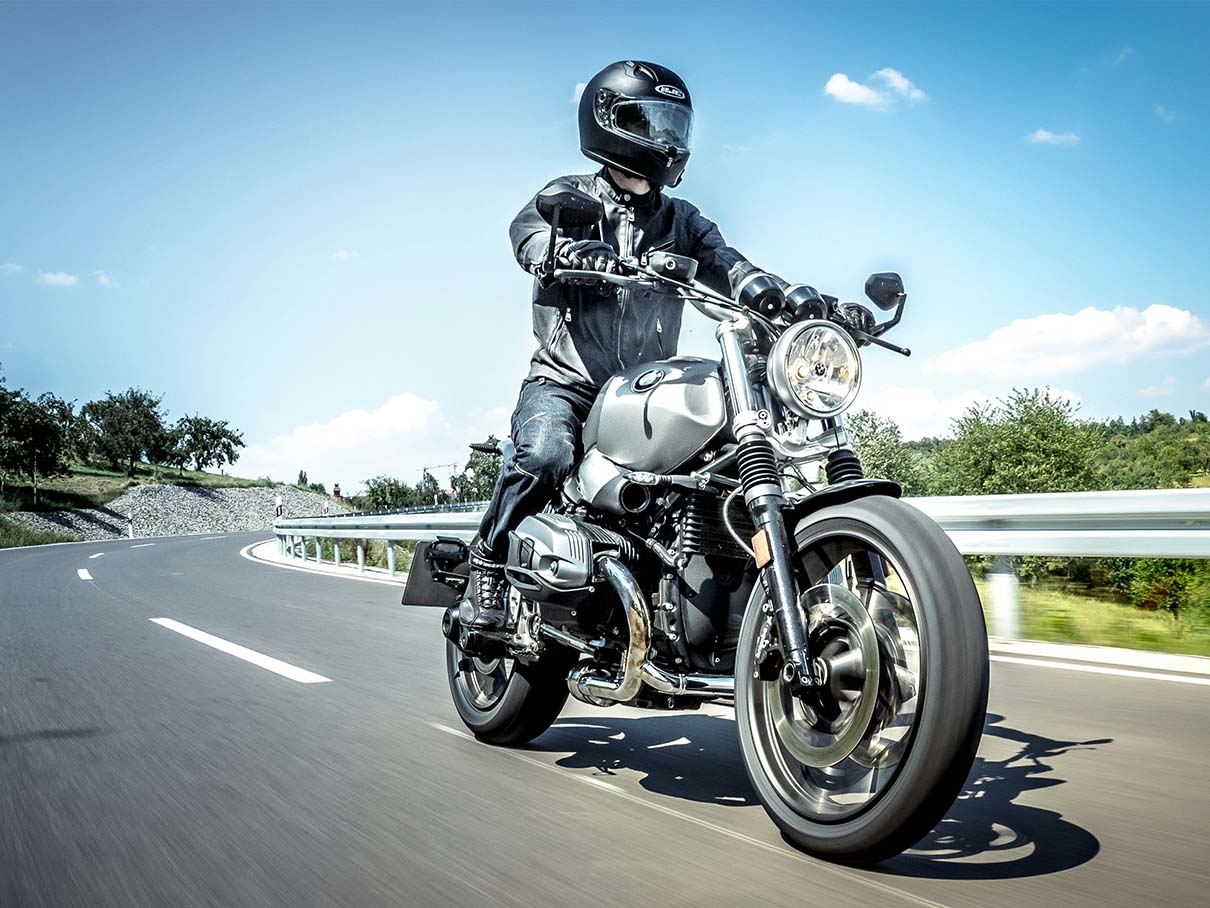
(638, 118)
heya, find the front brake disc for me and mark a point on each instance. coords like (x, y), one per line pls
(826, 726)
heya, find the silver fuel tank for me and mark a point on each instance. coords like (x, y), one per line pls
(656, 416)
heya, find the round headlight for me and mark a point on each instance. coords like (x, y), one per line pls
(815, 369)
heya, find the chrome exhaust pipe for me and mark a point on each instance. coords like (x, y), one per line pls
(589, 687)
(687, 685)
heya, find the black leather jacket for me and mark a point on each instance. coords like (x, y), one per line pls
(587, 333)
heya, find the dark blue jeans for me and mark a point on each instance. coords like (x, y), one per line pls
(546, 435)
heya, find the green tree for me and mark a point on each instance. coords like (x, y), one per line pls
(478, 477)
(429, 491)
(1029, 441)
(879, 443)
(128, 427)
(36, 445)
(208, 442)
(384, 493)
(1155, 451)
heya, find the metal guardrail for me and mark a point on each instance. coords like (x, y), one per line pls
(1167, 523)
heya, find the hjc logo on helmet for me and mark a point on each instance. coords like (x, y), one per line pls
(671, 91)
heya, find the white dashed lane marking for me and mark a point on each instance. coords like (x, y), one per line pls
(83, 574)
(285, 669)
(142, 545)
(97, 555)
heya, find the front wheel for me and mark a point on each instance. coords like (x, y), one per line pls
(863, 766)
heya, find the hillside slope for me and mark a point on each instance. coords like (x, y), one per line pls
(160, 510)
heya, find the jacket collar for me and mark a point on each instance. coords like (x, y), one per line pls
(624, 196)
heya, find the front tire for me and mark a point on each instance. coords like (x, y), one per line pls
(864, 802)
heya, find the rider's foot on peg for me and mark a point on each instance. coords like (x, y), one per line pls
(486, 590)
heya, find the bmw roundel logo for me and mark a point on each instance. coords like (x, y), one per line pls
(671, 91)
(648, 380)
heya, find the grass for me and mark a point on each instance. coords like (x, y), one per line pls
(1055, 613)
(376, 553)
(89, 486)
(14, 534)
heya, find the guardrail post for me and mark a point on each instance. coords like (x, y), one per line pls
(336, 552)
(281, 545)
(361, 555)
(319, 550)
(391, 556)
(1004, 590)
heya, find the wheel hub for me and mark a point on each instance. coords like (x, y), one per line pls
(825, 725)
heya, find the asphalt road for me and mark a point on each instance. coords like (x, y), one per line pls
(140, 766)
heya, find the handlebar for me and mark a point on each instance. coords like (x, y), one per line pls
(709, 302)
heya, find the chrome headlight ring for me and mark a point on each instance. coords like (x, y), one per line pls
(815, 369)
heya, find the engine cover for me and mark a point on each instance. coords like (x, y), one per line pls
(551, 556)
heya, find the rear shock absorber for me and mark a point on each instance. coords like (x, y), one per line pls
(843, 465)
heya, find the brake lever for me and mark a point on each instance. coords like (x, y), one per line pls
(858, 334)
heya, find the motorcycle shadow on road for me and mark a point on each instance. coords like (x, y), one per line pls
(687, 755)
(987, 834)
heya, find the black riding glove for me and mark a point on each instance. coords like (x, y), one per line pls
(588, 255)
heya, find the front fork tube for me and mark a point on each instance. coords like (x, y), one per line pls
(763, 493)
(783, 590)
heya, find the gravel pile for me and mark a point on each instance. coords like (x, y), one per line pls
(177, 510)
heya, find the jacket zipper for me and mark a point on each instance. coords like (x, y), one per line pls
(627, 239)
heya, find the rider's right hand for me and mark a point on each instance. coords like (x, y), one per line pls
(588, 255)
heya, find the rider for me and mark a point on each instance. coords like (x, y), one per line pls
(635, 119)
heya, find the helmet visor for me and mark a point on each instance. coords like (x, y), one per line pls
(658, 123)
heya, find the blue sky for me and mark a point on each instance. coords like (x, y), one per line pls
(295, 216)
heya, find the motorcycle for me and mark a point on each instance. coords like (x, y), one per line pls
(693, 556)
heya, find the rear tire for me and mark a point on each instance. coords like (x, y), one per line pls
(937, 752)
(533, 696)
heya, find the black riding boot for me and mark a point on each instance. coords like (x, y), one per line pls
(486, 590)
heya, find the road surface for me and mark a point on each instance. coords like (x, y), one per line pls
(281, 738)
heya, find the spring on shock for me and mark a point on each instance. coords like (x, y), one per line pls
(757, 464)
(843, 465)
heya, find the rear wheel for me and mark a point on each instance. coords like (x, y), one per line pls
(504, 702)
(863, 766)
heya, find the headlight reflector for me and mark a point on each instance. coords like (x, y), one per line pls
(815, 369)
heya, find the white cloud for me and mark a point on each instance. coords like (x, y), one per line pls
(577, 92)
(58, 279)
(105, 280)
(920, 412)
(1062, 343)
(1162, 388)
(1168, 116)
(845, 90)
(900, 84)
(1123, 55)
(11, 268)
(397, 438)
(1046, 137)
(346, 255)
